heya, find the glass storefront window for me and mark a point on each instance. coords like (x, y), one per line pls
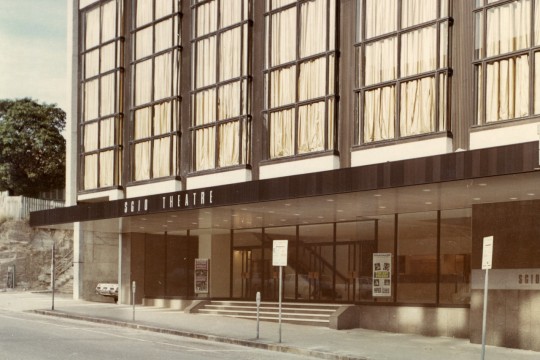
(417, 258)
(315, 262)
(455, 257)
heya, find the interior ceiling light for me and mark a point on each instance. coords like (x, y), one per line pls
(339, 210)
(426, 190)
(428, 203)
(530, 194)
(513, 198)
(476, 199)
(382, 207)
(482, 184)
(377, 195)
(330, 200)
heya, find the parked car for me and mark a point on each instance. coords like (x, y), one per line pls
(108, 289)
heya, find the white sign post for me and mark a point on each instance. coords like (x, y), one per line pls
(279, 258)
(487, 257)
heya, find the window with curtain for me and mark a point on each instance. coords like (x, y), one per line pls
(155, 70)
(507, 52)
(221, 81)
(402, 62)
(101, 96)
(300, 73)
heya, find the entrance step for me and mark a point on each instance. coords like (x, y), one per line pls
(292, 313)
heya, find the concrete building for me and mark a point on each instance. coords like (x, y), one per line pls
(384, 137)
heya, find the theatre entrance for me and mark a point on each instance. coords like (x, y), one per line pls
(326, 262)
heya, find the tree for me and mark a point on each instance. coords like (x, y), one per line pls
(32, 148)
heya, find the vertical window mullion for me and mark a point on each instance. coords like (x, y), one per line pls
(298, 64)
(327, 77)
(217, 128)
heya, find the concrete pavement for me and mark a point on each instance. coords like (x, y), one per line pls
(318, 342)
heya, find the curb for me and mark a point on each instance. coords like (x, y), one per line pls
(221, 339)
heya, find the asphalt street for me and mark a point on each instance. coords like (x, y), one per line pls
(26, 336)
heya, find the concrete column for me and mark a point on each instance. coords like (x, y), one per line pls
(78, 263)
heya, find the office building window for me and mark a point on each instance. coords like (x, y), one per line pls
(300, 73)
(221, 82)
(155, 71)
(101, 96)
(402, 53)
(507, 59)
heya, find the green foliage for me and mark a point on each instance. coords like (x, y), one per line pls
(32, 148)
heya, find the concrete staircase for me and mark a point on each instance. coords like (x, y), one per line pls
(293, 313)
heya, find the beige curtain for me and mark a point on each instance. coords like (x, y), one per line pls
(283, 37)
(162, 76)
(163, 35)
(92, 28)
(162, 118)
(508, 27)
(108, 17)
(417, 107)
(206, 148)
(381, 17)
(415, 12)
(206, 62)
(228, 143)
(278, 3)
(207, 18)
(91, 64)
(144, 12)
(90, 137)
(312, 79)
(143, 82)
(107, 95)
(419, 51)
(381, 61)
(231, 54)
(311, 128)
(537, 82)
(205, 107)
(507, 84)
(143, 129)
(164, 8)
(231, 12)
(283, 86)
(229, 101)
(443, 100)
(379, 114)
(108, 57)
(143, 46)
(106, 168)
(313, 27)
(142, 161)
(507, 89)
(282, 133)
(91, 91)
(161, 158)
(90, 171)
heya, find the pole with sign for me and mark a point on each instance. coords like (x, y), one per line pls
(279, 258)
(487, 257)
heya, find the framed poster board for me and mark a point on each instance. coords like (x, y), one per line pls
(382, 274)
(201, 276)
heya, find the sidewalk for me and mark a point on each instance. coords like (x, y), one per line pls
(319, 342)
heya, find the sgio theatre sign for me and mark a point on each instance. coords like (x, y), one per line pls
(176, 201)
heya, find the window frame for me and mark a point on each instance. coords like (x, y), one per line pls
(440, 71)
(117, 115)
(175, 99)
(329, 145)
(481, 61)
(244, 118)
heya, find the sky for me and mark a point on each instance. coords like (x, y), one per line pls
(33, 60)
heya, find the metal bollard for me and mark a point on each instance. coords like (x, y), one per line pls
(133, 286)
(258, 300)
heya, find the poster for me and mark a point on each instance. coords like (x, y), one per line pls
(382, 274)
(201, 276)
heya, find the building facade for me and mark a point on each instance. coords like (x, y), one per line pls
(206, 129)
